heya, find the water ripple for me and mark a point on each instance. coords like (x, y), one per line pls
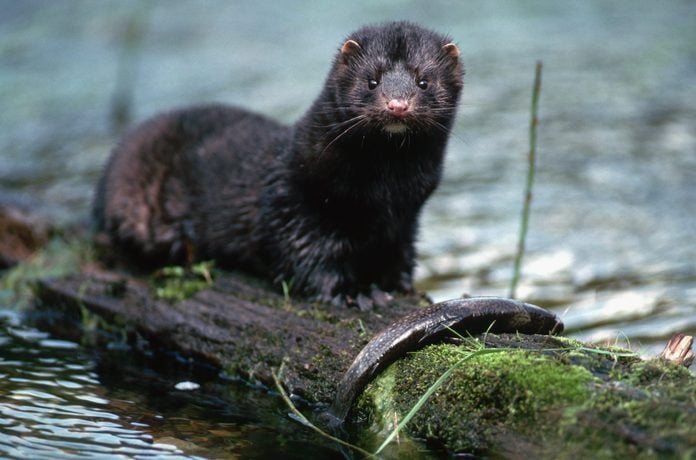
(51, 404)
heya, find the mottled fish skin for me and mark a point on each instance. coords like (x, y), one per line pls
(472, 315)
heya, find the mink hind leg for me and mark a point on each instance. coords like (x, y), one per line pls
(142, 204)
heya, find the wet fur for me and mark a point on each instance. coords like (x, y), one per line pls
(330, 204)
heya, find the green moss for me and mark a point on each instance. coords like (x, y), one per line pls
(59, 257)
(95, 329)
(657, 372)
(602, 362)
(649, 411)
(176, 283)
(377, 403)
(563, 402)
(316, 312)
(510, 388)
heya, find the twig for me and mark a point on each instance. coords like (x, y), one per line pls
(678, 350)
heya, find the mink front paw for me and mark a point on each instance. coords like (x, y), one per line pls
(365, 300)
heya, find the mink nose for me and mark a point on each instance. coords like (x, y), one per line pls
(398, 107)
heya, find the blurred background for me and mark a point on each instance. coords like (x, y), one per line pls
(612, 238)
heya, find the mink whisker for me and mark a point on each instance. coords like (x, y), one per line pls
(361, 120)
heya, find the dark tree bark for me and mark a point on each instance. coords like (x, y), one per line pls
(238, 325)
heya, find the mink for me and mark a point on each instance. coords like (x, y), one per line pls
(329, 205)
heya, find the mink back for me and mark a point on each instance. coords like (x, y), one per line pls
(329, 205)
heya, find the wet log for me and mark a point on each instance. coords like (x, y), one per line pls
(535, 394)
(565, 399)
(237, 325)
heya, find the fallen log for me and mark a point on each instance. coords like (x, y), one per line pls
(564, 399)
(237, 325)
(500, 394)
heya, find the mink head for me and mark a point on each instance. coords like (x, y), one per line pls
(397, 78)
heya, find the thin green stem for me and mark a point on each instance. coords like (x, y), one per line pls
(432, 389)
(524, 221)
(302, 419)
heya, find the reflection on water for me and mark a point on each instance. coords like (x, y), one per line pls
(52, 404)
(611, 242)
(59, 401)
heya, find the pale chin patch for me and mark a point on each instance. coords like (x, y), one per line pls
(396, 128)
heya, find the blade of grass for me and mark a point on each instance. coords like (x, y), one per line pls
(524, 221)
(299, 416)
(432, 389)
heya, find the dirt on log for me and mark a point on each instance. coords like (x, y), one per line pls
(237, 325)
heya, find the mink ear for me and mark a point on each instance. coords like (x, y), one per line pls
(452, 51)
(350, 48)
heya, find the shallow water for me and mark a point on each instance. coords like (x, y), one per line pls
(59, 400)
(612, 245)
(53, 404)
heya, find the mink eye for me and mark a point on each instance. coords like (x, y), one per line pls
(372, 83)
(422, 84)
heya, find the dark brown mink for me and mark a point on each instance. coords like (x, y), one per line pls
(329, 205)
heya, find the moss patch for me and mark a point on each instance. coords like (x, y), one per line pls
(648, 410)
(488, 393)
(59, 257)
(176, 283)
(565, 402)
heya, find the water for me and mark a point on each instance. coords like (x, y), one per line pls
(611, 241)
(53, 405)
(61, 400)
